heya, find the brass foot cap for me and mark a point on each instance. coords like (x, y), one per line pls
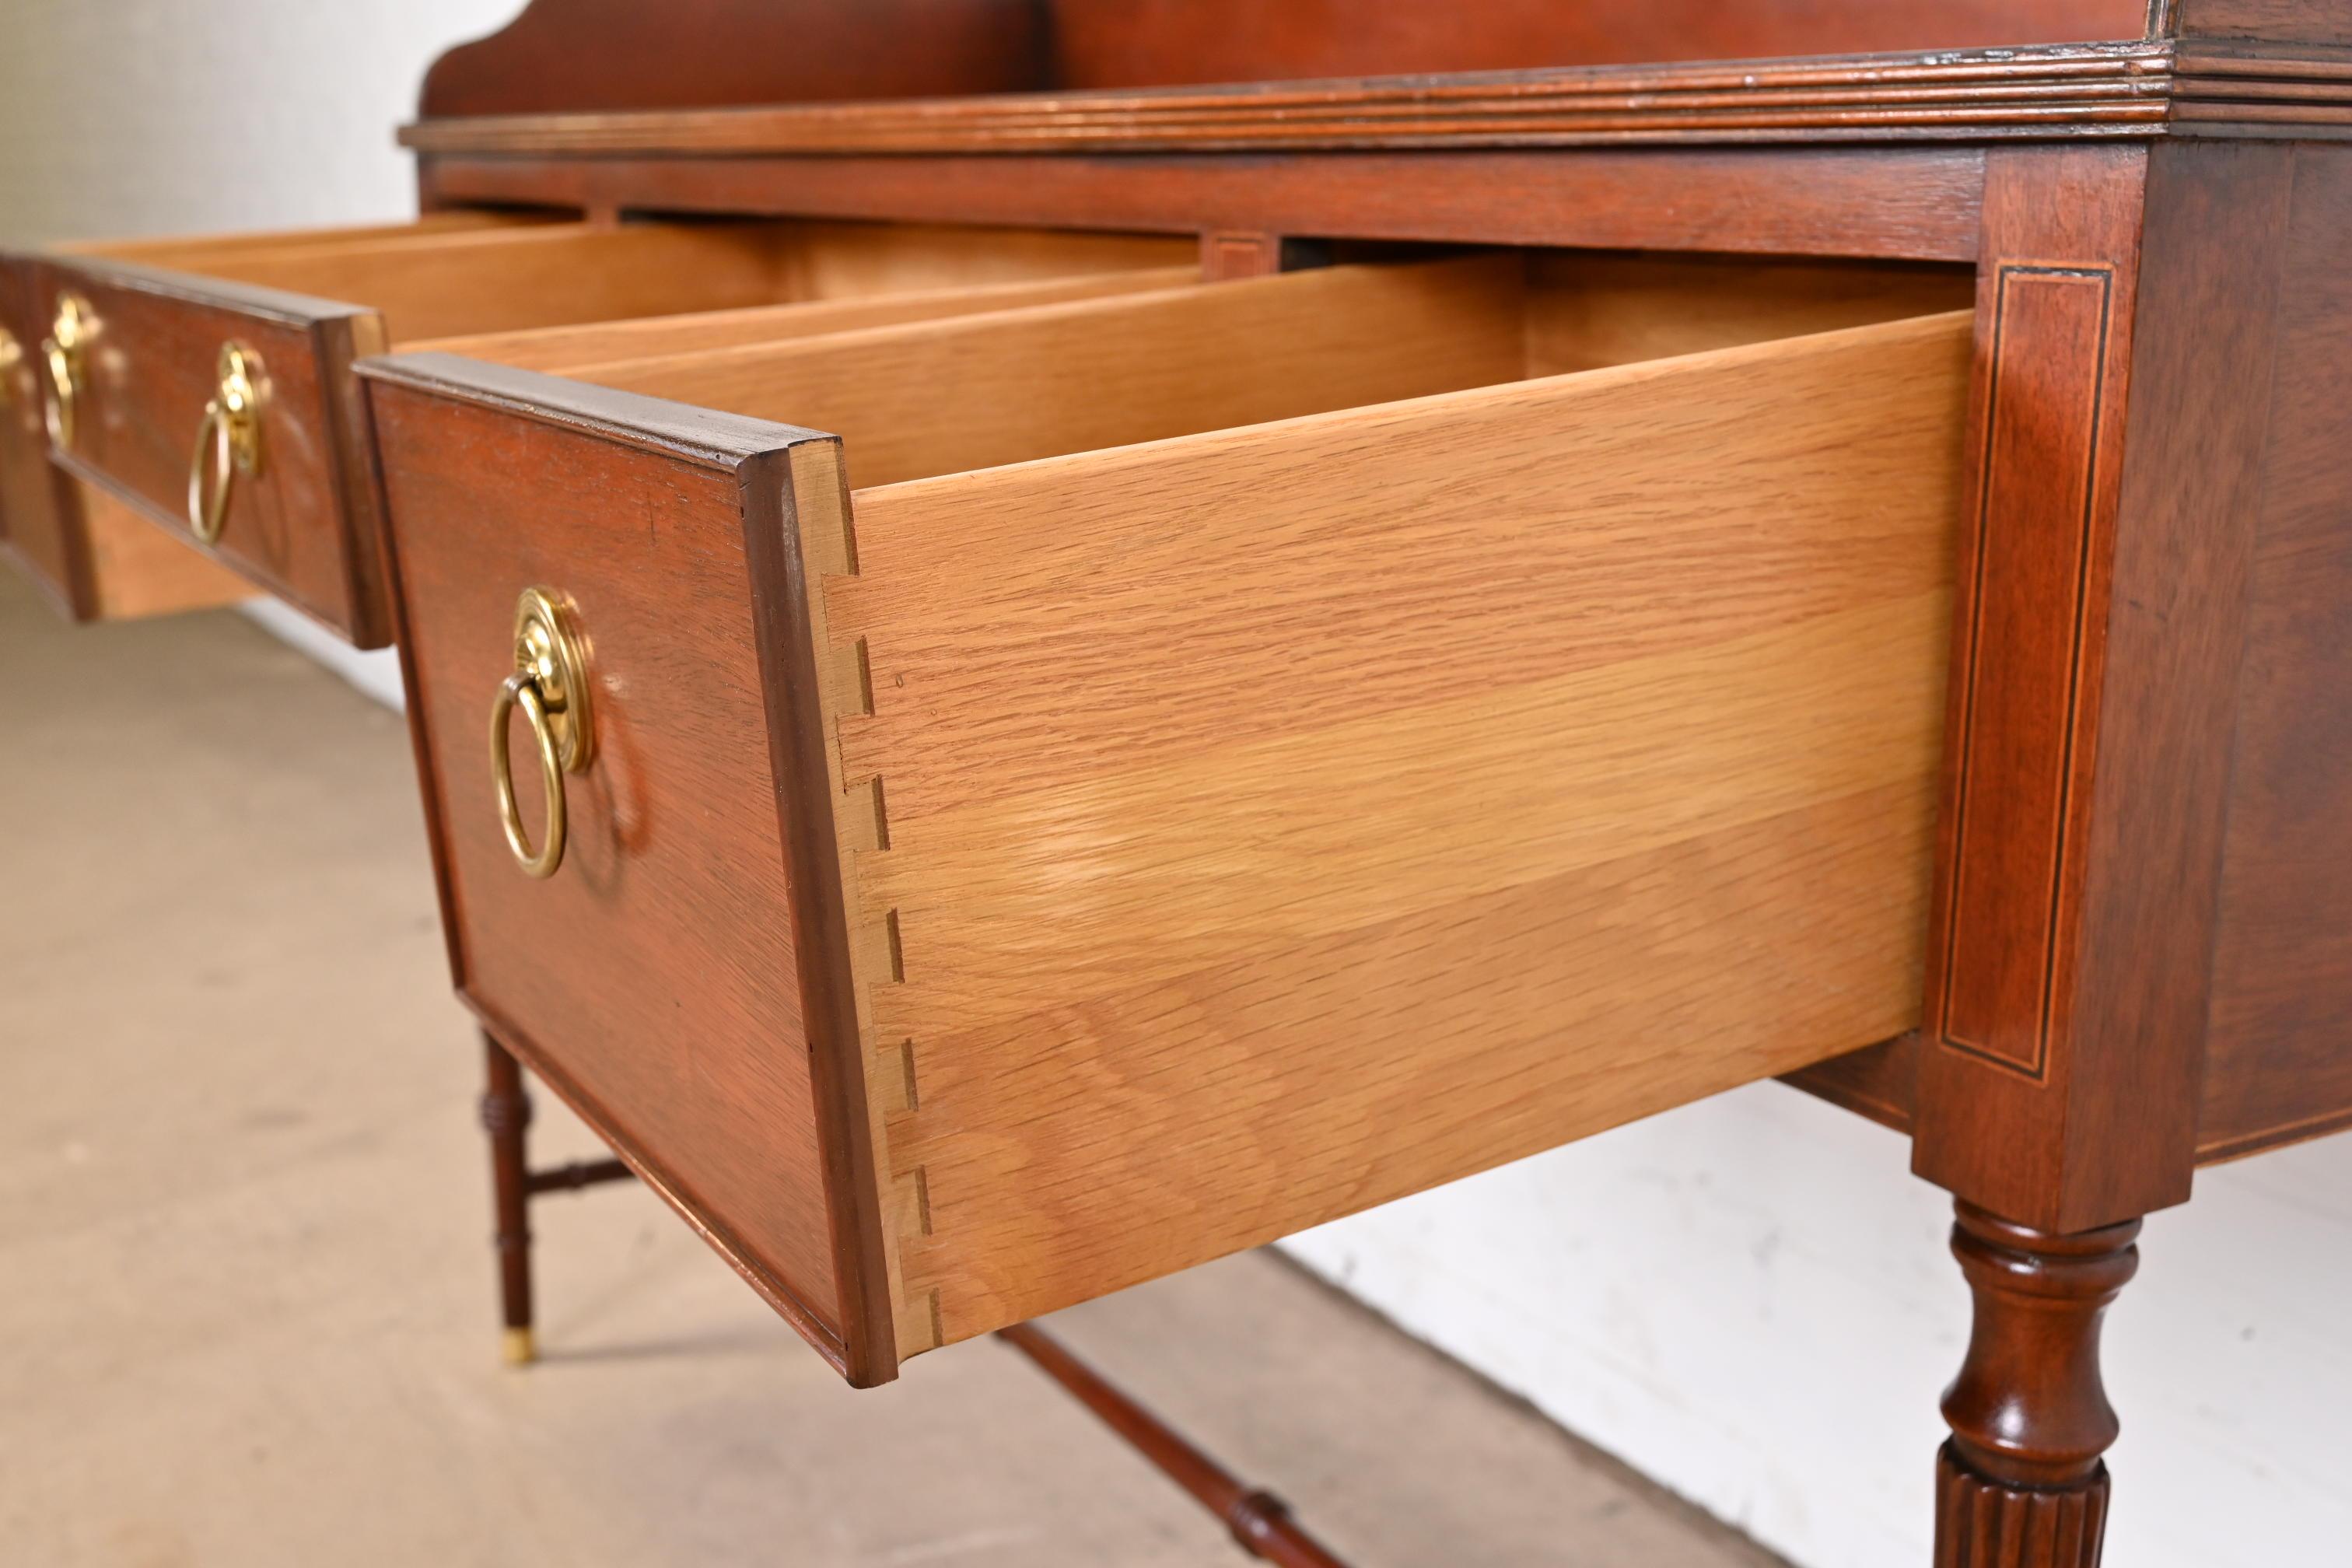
(521, 1349)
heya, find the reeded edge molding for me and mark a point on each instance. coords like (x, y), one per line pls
(2122, 89)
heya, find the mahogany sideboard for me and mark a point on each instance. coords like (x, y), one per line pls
(1110, 628)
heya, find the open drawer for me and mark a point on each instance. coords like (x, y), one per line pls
(1163, 772)
(205, 383)
(112, 562)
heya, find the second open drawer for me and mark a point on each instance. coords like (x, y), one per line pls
(206, 382)
(1157, 773)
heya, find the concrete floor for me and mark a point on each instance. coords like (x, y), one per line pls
(245, 1306)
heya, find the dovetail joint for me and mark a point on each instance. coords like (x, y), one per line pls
(863, 814)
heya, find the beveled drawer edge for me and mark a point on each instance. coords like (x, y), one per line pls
(781, 488)
(821, 546)
(704, 437)
(278, 307)
(770, 463)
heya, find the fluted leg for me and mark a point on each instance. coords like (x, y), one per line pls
(506, 1112)
(2021, 1484)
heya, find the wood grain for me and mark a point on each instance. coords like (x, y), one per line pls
(611, 53)
(581, 54)
(438, 279)
(1125, 43)
(2054, 319)
(2053, 411)
(2279, 1062)
(1586, 311)
(848, 260)
(2021, 1483)
(138, 570)
(1458, 801)
(572, 350)
(2298, 86)
(552, 275)
(192, 251)
(304, 529)
(2070, 974)
(1915, 202)
(575, 55)
(1057, 379)
(2105, 88)
(1880, 1081)
(1136, 367)
(93, 557)
(2281, 21)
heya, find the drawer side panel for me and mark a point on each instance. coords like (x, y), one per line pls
(1282, 822)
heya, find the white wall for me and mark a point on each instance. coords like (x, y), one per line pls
(1749, 1298)
(182, 116)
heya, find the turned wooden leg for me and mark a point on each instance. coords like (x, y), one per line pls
(506, 1112)
(2021, 1484)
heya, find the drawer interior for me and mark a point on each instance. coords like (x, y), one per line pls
(135, 569)
(116, 565)
(1506, 734)
(532, 290)
(1280, 745)
(193, 252)
(466, 275)
(578, 351)
(919, 398)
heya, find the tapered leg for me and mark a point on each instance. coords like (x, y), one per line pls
(2021, 1484)
(506, 1113)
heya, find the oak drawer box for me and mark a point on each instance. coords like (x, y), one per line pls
(1236, 756)
(206, 382)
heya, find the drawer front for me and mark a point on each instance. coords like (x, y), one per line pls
(653, 981)
(296, 516)
(1228, 832)
(38, 523)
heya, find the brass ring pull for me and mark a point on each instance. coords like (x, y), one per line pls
(12, 361)
(229, 441)
(57, 412)
(518, 691)
(64, 350)
(550, 684)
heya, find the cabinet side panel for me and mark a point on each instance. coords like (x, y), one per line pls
(2279, 1061)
